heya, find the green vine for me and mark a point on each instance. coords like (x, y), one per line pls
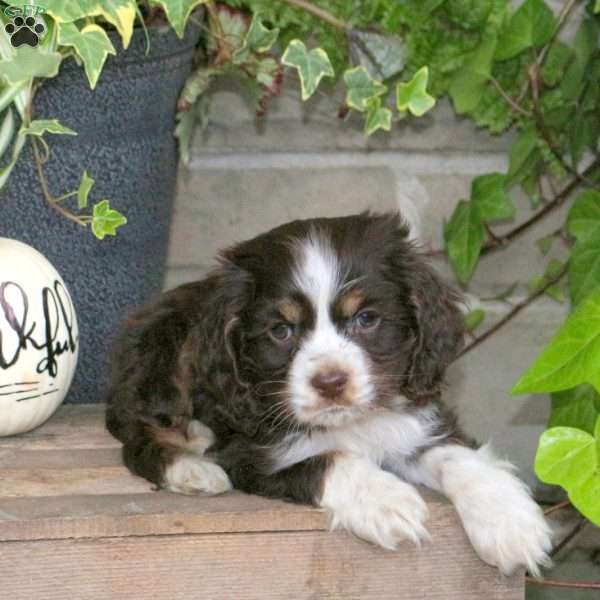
(505, 67)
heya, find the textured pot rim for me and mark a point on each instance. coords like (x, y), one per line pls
(164, 43)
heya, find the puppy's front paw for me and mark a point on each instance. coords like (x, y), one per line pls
(372, 504)
(507, 528)
(191, 474)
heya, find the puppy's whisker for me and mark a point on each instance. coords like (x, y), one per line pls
(279, 405)
(278, 393)
(273, 411)
(281, 419)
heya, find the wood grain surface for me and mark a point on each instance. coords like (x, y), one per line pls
(75, 524)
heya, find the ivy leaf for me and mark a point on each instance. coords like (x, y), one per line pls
(16, 151)
(178, 11)
(84, 190)
(228, 34)
(555, 291)
(312, 65)
(7, 129)
(468, 14)
(532, 24)
(583, 132)
(488, 192)
(470, 81)
(10, 93)
(474, 319)
(184, 132)
(27, 63)
(377, 117)
(578, 407)
(361, 88)
(258, 39)
(91, 44)
(106, 220)
(268, 74)
(545, 243)
(520, 153)
(570, 457)
(583, 221)
(188, 122)
(412, 95)
(573, 355)
(41, 126)
(504, 294)
(463, 237)
(120, 13)
(196, 84)
(558, 58)
(584, 267)
(382, 55)
(584, 45)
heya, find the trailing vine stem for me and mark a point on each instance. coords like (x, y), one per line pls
(320, 13)
(53, 201)
(500, 241)
(514, 311)
(496, 241)
(514, 104)
(555, 507)
(563, 15)
(575, 531)
(216, 22)
(40, 160)
(582, 585)
(533, 75)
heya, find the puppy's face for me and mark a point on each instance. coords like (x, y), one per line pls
(332, 329)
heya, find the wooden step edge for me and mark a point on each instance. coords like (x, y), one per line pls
(157, 513)
(163, 513)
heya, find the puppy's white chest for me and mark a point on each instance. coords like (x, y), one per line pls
(381, 436)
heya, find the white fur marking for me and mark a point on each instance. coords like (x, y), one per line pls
(372, 504)
(318, 273)
(380, 436)
(191, 474)
(318, 276)
(199, 436)
(505, 526)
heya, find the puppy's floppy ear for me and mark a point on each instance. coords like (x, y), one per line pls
(221, 344)
(439, 330)
(437, 322)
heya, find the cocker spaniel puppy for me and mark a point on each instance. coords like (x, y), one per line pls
(314, 354)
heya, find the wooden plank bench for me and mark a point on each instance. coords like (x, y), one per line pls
(74, 524)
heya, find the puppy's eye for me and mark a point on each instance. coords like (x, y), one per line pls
(367, 319)
(281, 332)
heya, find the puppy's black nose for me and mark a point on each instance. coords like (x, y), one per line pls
(330, 383)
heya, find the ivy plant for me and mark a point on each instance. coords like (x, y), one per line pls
(75, 28)
(507, 66)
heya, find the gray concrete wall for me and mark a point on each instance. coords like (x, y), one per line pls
(247, 176)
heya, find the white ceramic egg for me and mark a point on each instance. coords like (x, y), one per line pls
(39, 338)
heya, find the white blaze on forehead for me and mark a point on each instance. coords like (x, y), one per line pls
(317, 273)
(319, 276)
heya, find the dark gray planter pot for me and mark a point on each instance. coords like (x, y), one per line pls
(126, 143)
